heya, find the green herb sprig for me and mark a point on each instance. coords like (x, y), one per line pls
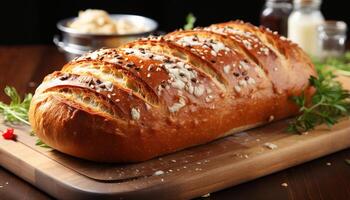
(41, 144)
(17, 110)
(190, 20)
(330, 102)
(340, 65)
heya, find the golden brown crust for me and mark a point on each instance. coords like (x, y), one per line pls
(162, 94)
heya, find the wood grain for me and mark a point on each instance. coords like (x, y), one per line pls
(25, 66)
(314, 180)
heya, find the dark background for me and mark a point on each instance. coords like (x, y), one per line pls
(34, 21)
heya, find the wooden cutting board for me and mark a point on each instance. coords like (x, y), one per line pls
(186, 174)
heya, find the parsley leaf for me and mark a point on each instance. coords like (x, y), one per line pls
(330, 101)
(41, 144)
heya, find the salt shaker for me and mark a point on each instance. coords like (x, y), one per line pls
(303, 23)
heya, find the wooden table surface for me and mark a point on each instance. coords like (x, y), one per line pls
(326, 178)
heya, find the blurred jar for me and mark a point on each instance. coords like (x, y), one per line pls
(275, 15)
(303, 23)
(332, 38)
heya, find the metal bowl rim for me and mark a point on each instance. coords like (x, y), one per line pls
(61, 25)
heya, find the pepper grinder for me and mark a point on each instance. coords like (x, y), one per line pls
(275, 15)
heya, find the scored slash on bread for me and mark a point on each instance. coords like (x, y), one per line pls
(161, 94)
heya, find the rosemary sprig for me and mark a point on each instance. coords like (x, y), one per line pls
(330, 102)
(17, 110)
(190, 20)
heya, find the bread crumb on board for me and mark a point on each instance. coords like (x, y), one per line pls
(270, 145)
(158, 173)
(206, 195)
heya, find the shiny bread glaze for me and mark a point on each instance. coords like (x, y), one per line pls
(161, 94)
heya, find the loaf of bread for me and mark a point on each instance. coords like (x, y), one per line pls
(162, 94)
